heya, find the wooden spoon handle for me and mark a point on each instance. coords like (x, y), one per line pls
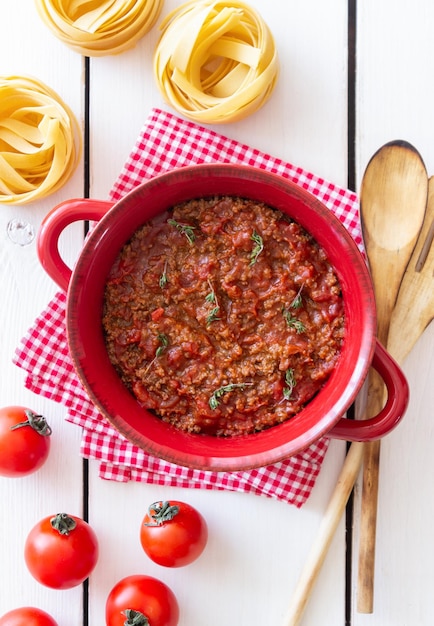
(347, 478)
(368, 528)
(368, 509)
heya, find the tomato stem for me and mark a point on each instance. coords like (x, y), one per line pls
(37, 422)
(63, 523)
(135, 618)
(161, 512)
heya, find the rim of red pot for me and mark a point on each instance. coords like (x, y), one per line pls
(116, 403)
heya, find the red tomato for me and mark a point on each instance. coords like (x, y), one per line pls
(24, 441)
(61, 551)
(173, 533)
(27, 616)
(141, 600)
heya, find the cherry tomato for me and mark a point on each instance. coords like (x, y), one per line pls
(61, 551)
(27, 616)
(141, 600)
(24, 441)
(173, 533)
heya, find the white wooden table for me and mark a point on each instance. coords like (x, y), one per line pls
(319, 119)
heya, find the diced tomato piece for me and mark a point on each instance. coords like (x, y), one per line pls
(157, 314)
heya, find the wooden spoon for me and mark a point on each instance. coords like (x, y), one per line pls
(392, 201)
(395, 155)
(414, 308)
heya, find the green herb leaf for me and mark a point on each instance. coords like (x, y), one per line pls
(257, 248)
(214, 399)
(298, 301)
(164, 343)
(212, 299)
(213, 315)
(293, 322)
(290, 384)
(163, 278)
(185, 229)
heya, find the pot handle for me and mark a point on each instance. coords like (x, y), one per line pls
(392, 412)
(53, 225)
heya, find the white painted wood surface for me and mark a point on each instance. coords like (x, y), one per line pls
(257, 546)
(27, 49)
(395, 100)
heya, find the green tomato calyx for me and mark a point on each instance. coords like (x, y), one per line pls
(161, 512)
(63, 523)
(135, 618)
(37, 422)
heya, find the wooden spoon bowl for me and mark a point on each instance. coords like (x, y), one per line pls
(393, 200)
(414, 308)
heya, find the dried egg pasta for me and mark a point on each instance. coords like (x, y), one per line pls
(215, 61)
(99, 27)
(39, 140)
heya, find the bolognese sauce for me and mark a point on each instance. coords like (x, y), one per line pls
(223, 316)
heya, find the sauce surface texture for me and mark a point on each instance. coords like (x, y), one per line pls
(223, 316)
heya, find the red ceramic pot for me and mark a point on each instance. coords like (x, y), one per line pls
(85, 287)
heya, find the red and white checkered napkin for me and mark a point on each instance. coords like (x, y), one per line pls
(167, 142)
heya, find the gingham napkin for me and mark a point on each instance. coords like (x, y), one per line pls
(167, 142)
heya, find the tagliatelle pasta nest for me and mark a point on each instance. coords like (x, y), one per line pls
(99, 27)
(40, 142)
(215, 61)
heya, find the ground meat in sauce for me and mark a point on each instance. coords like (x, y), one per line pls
(223, 316)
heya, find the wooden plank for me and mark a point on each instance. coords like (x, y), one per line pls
(27, 48)
(257, 546)
(395, 101)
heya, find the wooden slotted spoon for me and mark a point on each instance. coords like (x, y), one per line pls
(414, 308)
(393, 202)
